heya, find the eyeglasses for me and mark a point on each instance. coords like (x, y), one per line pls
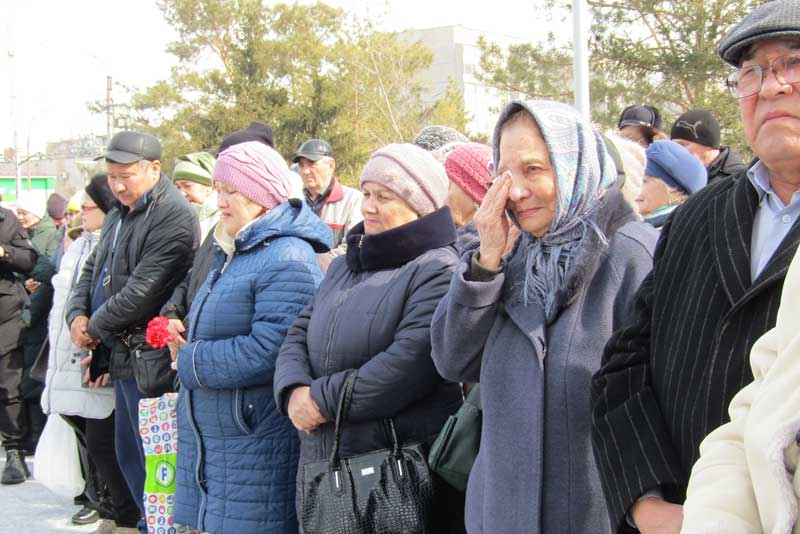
(749, 80)
(86, 207)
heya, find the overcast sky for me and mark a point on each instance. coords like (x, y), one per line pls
(63, 52)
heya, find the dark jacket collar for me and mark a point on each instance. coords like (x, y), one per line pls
(396, 247)
(727, 163)
(151, 196)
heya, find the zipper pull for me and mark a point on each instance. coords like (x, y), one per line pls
(360, 240)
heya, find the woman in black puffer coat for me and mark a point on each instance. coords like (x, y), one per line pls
(372, 315)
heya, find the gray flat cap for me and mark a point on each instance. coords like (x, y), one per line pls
(773, 20)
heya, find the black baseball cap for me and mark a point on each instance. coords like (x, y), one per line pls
(641, 116)
(314, 150)
(130, 147)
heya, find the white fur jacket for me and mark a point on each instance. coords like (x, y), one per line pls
(747, 478)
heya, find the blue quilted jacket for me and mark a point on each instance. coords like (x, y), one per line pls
(238, 455)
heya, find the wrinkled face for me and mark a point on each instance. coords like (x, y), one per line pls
(92, 217)
(130, 181)
(27, 219)
(523, 153)
(236, 210)
(316, 175)
(383, 209)
(771, 117)
(461, 205)
(654, 195)
(193, 192)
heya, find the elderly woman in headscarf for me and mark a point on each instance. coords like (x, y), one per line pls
(531, 326)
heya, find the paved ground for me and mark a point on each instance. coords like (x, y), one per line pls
(30, 508)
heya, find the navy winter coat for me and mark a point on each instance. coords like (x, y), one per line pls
(372, 314)
(238, 455)
(535, 472)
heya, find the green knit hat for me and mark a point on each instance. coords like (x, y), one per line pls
(197, 167)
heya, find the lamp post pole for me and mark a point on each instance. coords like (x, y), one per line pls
(580, 45)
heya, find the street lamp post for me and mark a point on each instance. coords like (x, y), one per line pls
(580, 44)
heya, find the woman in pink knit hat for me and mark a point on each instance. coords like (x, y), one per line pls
(238, 457)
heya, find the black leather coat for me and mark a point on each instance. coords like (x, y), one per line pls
(154, 251)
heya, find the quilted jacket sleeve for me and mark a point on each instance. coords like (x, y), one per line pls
(292, 368)
(249, 360)
(404, 372)
(79, 303)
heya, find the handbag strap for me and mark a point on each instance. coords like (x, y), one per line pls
(342, 411)
(345, 396)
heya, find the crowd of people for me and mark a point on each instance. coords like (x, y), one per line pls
(623, 301)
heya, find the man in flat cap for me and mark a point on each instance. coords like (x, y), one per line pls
(718, 272)
(146, 248)
(337, 205)
(699, 132)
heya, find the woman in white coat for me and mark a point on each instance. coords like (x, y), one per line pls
(87, 408)
(747, 479)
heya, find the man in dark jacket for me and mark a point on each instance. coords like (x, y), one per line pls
(698, 132)
(177, 307)
(718, 272)
(17, 255)
(146, 248)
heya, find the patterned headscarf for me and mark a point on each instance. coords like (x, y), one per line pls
(583, 171)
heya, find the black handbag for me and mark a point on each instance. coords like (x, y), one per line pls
(388, 491)
(152, 368)
(454, 451)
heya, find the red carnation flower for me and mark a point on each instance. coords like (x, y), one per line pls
(157, 335)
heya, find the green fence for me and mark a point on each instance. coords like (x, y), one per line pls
(41, 185)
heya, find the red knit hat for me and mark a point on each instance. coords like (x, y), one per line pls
(468, 167)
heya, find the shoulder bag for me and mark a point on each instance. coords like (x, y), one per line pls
(380, 492)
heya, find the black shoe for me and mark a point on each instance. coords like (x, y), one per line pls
(85, 516)
(80, 500)
(16, 470)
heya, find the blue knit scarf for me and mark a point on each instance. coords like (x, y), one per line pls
(583, 171)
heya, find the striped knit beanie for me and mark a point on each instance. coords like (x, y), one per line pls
(197, 167)
(256, 171)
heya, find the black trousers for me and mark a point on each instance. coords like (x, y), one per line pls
(12, 421)
(97, 437)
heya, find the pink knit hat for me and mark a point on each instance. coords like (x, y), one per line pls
(410, 172)
(256, 171)
(467, 167)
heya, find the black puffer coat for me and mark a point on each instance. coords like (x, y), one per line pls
(155, 249)
(19, 256)
(372, 314)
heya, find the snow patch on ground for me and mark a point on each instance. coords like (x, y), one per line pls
(30, 508)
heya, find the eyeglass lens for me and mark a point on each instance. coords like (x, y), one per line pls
(749, 80)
